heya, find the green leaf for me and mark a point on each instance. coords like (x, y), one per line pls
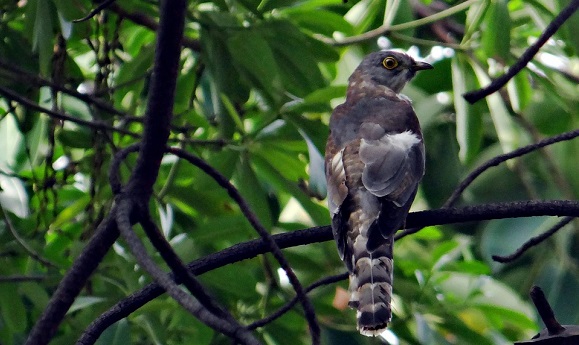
(254, 59)
(319, 21)
(232, 112)
(316, 169)
(428, 233)
(70, 212)
(253, 192)
(12, 309)
(42, 34)
(571, 27)
(116, 334)
(496, 38)
(509, 136)
(129, 70)
(520, 91)
(297, 66)
(502, 316)
(83, 302)
(469, 127)
(318, 213)
(81, 138)
(474, 17)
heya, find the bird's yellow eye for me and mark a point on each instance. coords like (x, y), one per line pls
(390, 62)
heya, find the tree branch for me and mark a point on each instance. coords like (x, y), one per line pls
(504, 157)
(16, 278)
(23, 243)
(267, 238)
(180, 270)
(157, 119)
(532, 242)
(20, 74)
(94, 12)
(62, 116)
(250, 249)
(474, 96)
(148, 22)
(225, 326)
(287, 307)
(490, 163)
(73, 282)
(385, 29)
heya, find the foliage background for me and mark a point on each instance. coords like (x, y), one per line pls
(256, 86)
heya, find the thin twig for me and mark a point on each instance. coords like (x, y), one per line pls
(179, 269)
(490, 163)
(285, 308)
(157, 120)
(474, 96)
(114, 170)
(23, 243)
(235, 331)
(94, 12)
(20, 74)
(384, 29)
(504, 157)
(73, 282)
(148, 22)
(250, 249)
(62, 116)
(17, 278)
(532, 242)
(236, 253)
(256, 224)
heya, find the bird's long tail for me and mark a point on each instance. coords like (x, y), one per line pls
(371, 287)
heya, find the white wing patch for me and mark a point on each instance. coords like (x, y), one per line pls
(387, 161)
(404, 140)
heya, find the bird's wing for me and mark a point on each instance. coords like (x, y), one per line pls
(392, 151)
(393, 164)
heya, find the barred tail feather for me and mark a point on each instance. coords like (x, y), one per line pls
(371, 289)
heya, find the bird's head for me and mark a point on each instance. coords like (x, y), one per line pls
(391, 69)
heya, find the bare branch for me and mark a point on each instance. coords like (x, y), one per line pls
(474, 96)
(385, 29)
(533, 242)
(490, 163)
(73, 282)
(545, 311)
(287, 307)
(20, 74)
(180, 270)
(267, 238)
(23, 243)
(156, 133)
(504, 157)
(225, 326)
(148, 22)
(250, 249)
(16, 278)
(62, 116)
(94, 12)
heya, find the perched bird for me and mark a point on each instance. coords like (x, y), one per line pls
(374, 161)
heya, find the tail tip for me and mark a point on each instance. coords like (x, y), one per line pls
(372, 331)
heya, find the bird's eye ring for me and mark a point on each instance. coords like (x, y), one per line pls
(390, 62)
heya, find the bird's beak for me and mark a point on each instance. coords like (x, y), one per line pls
(419, 66)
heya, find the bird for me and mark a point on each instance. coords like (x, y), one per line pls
(374, 161)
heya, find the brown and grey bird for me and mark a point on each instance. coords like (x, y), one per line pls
(374, 162)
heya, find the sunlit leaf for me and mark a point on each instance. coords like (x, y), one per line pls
(505, 127)
(468, 122)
